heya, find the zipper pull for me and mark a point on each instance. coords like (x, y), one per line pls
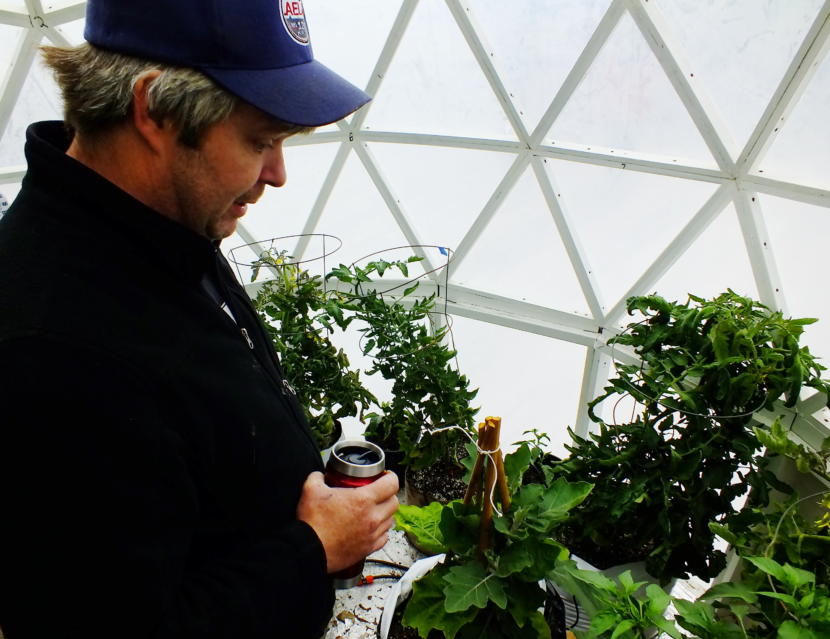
(247, 338)
(288, 388)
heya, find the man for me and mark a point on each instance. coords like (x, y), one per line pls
(157, 478)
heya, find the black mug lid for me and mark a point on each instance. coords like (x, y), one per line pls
(356, 458)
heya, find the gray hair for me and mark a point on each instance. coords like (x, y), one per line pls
(97, 87)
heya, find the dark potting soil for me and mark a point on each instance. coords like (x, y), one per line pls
(398, 631)
(621, 550)
(441, 482)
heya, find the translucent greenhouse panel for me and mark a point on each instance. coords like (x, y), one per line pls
(434, 84)
(624, 219)
(799, 233)
(801, 151)
(716, 261)
(39, 100)
(73, 31)
(626, 102)
(9, 37)
(54, 5)
(348, 36)
(739, 50)
(520, 255)
(442, 189)
(18, 6)
(528, 380)
(357, 214)
(521, 36)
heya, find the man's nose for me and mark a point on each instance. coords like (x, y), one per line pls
(273, 168)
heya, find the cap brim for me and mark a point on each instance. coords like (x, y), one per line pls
(308, 94)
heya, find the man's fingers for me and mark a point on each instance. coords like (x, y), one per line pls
(384, 486)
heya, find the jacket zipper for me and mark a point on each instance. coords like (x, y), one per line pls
(247, 338)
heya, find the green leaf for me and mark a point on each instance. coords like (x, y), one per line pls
(459, 526)
(735, 590)
(539, 626)
(603, 622)
(787, 599)
(623, 627)
(562, 496)
(523, 600)
(791, 630)
(471, 585)
(658, 600)
(769, 566)
(697, 613)
(515, 464)
(423, 523)
(425, 610)
(408, 291)
(533, 557)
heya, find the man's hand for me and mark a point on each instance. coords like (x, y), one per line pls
(350, 522)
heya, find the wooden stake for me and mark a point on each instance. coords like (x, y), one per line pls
(490, 442)
(501, 474)
(475, 480)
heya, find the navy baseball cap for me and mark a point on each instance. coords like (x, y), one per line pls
(258, 50)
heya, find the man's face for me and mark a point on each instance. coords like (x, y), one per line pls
(213, 184)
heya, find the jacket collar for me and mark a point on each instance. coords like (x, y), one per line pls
(93, 200)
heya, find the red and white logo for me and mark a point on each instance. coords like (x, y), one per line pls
(293, 19)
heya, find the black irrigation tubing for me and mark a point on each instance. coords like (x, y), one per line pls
(391, 564)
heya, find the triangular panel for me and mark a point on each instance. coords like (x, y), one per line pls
(799, 234)
(434, 84)
(9, 37)
(525, 391)
(800, 151)
(626, 102)
(348, 36)
(521, 35)
(624, 219)
(739, 51)
(39, 100)
(54, 5)
(441, 189)
(520, 254)
(357, 214)
(715, 262)
(73, 31)
(18, 6)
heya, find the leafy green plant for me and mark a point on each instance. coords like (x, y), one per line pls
(791, 606)
(706, 367)
(494, 593)
(617, 608)
(428, 392)
(300, 318)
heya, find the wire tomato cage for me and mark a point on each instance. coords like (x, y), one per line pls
(438, 274)
(275, 252)
(666, 402)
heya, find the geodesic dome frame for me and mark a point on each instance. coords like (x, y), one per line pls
(542, 151)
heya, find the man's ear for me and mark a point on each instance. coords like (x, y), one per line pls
(155, 133)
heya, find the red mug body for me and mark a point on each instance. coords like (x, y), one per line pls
(351, 464)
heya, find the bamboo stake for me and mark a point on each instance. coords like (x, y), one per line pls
(475, 480)
(490, 443)
(501, 474)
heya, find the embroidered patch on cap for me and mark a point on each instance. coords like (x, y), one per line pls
(293, 18)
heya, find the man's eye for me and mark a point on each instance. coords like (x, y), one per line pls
(264, 144)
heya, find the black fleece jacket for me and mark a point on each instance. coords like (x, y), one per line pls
(151, 459)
